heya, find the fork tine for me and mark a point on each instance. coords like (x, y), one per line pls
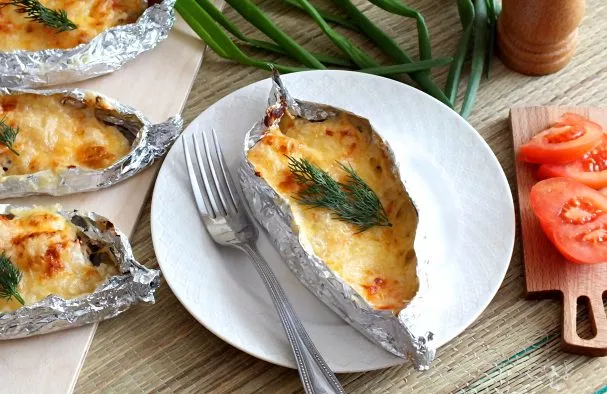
(201, 201)
(209, 187)
(226, 179)
(219, 193)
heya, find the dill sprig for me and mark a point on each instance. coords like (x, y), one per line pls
(10, 276)
(55, 19)
(352, 201)
(8, 135)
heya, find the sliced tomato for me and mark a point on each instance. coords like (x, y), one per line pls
(590, 170)
(566, 141)
(574, 217)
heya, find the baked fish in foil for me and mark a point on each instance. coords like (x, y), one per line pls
(76, 268)
(107, 36)
(374, 277)
(71, 141)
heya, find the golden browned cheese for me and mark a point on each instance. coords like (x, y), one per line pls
(54, 136)
(91, 16)
(46, 249)
(379, 263)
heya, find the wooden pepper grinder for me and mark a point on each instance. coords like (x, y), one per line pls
(538, 37)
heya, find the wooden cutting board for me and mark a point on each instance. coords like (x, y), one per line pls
(547, 273)
(157, 83)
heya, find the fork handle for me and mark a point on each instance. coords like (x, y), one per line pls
(314, 372)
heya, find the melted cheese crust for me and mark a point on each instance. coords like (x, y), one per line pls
(56, 136)
(380, 263)
(91, 16)
(46, 249)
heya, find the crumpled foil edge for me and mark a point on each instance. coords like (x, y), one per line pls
(135, 284)
(393, 333)
(150, 142)
(105, 53)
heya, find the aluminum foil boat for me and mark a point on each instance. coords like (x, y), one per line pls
(149, 142)
(135, 283)
(396, 333)
(104, 54)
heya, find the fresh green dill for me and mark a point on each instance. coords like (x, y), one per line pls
(10, 276)
(8, 135)
(55, 19)
(352, 201)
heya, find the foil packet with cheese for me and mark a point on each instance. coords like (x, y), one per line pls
(102, 37)
(366, 260)
(70, 141)
(63, 269)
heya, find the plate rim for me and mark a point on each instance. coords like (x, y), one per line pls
(503, 180)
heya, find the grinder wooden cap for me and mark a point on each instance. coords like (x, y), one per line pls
(538, 37)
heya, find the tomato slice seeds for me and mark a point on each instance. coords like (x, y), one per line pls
(579, 210)
(566, 141)
(590, 169)
(574, 217)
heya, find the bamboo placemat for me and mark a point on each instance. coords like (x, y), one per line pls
(512, 347)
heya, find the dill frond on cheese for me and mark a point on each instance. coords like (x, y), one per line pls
(8, 135)
(10, 276)
(352, 201)
(35, 11)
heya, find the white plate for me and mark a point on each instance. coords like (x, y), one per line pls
(443, 154)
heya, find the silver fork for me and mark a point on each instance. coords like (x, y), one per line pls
(229, 224)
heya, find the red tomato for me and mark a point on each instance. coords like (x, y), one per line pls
(574, 217)
(591, 169)
(566, 141)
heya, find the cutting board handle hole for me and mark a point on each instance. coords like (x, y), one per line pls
(584, 328)
(605, 301)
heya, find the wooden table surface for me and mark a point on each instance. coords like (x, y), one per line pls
(512, 347)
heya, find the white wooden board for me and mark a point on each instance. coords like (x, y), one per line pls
(157, 83)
